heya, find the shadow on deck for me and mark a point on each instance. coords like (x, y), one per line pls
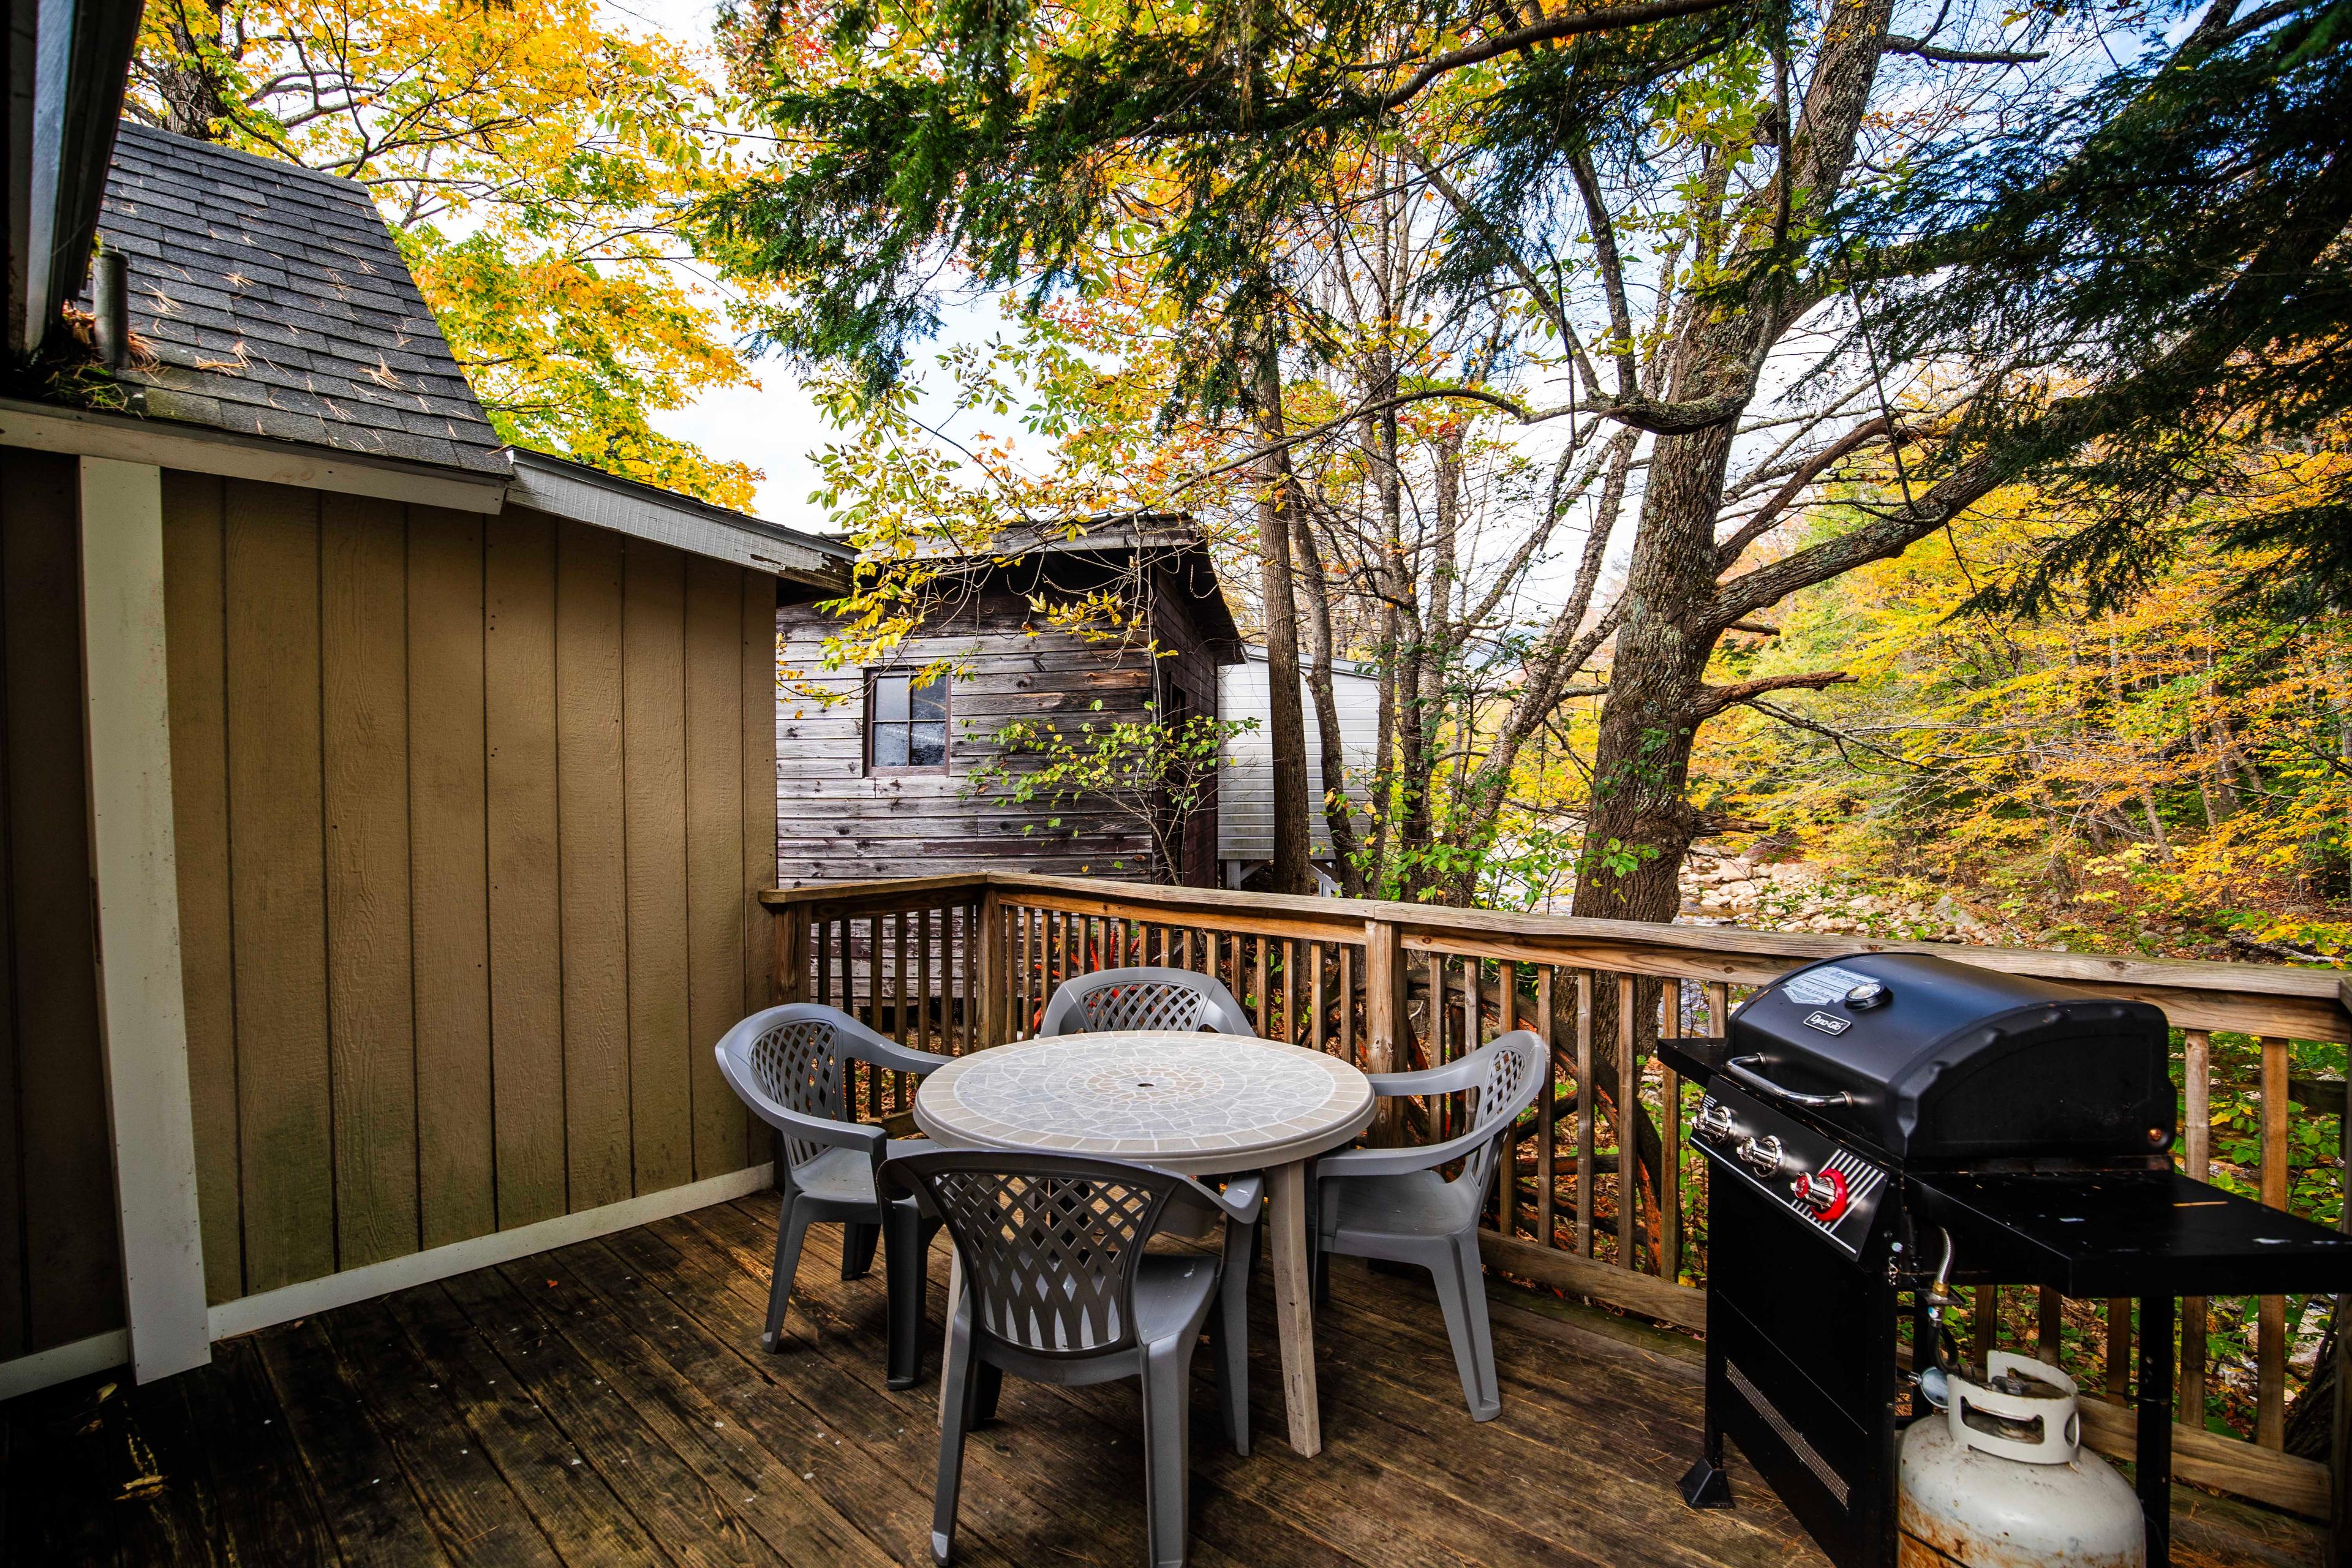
(609, 1403)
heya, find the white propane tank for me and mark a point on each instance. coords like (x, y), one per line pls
(2001, 1479)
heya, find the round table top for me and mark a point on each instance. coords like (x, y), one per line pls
(1196, 1103)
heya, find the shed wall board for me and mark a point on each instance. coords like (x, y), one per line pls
(420, 995)
(838, 823)
(1245, 815)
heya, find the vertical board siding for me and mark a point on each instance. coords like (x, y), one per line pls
(715, 932)
(59, 1260)
(596, 863)
(466, 865)
(363, 709)
(654, 805)
(448, 872)
(760, 639)
(277, 884)
(525, 892)
(195, 592)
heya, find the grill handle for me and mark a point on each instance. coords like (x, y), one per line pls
(1743, 1068)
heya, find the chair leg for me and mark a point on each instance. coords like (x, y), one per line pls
(1230, 1334)
(955, 1420)
(1167, 1448)
(858, 1239)
(987, 1384)
(791, 1227)
(903, 1261)
(1462, 1292)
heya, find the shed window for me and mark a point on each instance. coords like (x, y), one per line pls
(906, 721)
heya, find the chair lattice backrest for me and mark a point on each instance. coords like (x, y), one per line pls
(795, 1063)
(1512, 1065)
(1144, 999)
(1050, 1244)
(1143, 1005)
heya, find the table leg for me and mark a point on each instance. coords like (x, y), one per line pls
(1294, 1305)
(955, 1298)
(2152, 1456)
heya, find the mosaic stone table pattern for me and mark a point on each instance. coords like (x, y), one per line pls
(1192, 1102)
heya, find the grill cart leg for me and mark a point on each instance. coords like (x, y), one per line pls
(1706, 1484)
(2153, 1445)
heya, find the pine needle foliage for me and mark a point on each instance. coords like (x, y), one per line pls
(2160, 265)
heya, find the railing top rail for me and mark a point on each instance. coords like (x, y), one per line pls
(2263, 999)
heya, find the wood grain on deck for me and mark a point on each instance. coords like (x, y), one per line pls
(609, 1403)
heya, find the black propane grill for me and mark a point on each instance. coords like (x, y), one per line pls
(1930, 1123)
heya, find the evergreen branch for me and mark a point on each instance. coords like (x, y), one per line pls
(1545, 31)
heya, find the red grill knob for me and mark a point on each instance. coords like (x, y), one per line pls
(1822, 1192)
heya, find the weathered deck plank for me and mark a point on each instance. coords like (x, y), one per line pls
(444, 1424)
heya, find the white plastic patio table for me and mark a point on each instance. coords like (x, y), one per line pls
(1197, 1104)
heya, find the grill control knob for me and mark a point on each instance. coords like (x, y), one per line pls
(1714, 1121)
(1764, 1154)
(1822, 1192)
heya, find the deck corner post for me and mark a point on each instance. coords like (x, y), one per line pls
(1384, 1013)
(992, 966)
(134, 864)
(788, 981)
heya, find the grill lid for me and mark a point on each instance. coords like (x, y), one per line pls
(1926, 1060)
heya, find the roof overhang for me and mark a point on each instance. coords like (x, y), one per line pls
(197, 449)
(565, 489)
(68, 98)
(1167, 541)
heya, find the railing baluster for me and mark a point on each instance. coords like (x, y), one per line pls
(2050, 1330)
(2197, 1163)
(1315, 995)
(1629, 1138)
(1258, 971)
(1670, 1144)
(2270, 1352)
(1985, 1324)
(1547, 1198)
(1587, 1107)
(1347, 1003)
(1289, 991)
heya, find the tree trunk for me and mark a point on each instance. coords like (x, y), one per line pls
(1286, 719)
(193, 102)
(1337, 818)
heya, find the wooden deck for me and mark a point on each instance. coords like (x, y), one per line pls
(609, 1403)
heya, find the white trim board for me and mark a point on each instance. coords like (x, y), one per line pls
(250, 1312)
(192, 449)
(568, 490)
(63, 1364)
(134, 867)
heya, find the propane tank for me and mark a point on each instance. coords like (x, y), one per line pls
(2000, 1480)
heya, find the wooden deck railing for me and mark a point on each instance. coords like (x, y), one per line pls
(959, 963)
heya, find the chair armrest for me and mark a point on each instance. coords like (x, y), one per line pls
(1241, 1198)
(797, 1124)
(1450, 1079)
(1238, 1203)
(1400, 1161)
(885, 1053)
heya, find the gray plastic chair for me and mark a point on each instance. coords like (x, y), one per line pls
(1145, 998)
(1057, 1289)
(789, 1064)
(1391, 1204)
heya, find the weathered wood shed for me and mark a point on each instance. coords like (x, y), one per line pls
(383, 807)
(874, 778)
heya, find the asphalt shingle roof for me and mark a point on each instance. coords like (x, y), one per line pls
(277, 304)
